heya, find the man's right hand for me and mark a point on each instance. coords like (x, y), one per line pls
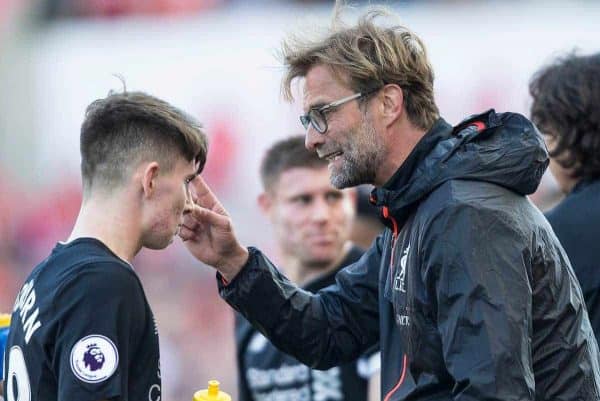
(208, 232)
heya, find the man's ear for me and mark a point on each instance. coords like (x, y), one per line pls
(149, 175)
(392, 105)
(265, 202)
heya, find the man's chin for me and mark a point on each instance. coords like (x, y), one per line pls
(338, 179)
(347, 175)
(341, 181)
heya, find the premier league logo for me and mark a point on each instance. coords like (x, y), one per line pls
(94, 359)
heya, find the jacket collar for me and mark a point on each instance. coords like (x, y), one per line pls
(411, 182)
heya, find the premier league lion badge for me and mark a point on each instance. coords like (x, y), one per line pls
(94, 358)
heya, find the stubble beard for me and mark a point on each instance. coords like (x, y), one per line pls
(362, 155)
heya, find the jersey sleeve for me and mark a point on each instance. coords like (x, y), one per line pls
(99, 314)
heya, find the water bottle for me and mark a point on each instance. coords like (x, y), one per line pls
(4, 326)
(212, 393)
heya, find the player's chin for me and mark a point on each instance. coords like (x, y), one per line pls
(322, 257)
(162, 242)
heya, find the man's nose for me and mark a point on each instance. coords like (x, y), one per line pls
(320, 211)
(313, 139)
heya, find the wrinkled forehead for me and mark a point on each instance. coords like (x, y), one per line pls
(323, 85)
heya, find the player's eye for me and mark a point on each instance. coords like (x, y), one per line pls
(302, 199)
(333, 196)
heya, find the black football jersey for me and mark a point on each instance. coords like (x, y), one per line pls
(267, 374)
(82, 329)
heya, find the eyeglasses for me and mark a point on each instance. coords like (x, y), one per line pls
(317, 116)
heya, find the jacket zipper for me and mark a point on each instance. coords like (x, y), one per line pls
(386, 215)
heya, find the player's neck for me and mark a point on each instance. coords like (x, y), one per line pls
(112, 222)
(302, 274)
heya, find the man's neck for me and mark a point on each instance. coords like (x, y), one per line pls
(400, 141)
(110, 221)
(301, 274)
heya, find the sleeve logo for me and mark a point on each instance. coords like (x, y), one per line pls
(94, 358)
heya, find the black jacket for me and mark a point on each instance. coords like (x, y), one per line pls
(468, 290)
(576, 222)
(265, 373)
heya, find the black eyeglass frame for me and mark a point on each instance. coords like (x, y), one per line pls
(321, 111)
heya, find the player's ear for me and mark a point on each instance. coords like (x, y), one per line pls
(265, 202)
(149, 176)
(352, 194)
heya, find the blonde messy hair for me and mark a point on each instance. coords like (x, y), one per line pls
(367, 56)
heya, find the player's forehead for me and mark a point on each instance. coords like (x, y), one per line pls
(186, 167)
(304, 180)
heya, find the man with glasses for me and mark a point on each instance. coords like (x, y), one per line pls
(468, 291)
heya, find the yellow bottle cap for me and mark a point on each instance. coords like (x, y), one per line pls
(4, 320)
(212, 393)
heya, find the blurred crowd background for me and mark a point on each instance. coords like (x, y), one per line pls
(217, 59)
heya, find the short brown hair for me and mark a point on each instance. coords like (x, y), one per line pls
(123, 129)
(284, 155)
(369, 56)
(566, 106)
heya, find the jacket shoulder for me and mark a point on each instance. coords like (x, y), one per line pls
(455, 195)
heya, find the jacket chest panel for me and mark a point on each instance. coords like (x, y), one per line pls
(401, 263)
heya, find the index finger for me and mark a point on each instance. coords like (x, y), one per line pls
(203, 196)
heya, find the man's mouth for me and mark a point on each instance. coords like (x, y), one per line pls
(333, 155)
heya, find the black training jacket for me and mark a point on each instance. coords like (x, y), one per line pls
(576, 223)
(468, 290)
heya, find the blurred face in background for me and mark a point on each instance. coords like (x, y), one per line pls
(311, 219)
(563, 176)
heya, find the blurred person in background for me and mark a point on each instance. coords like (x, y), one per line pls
(566, 109)
(463, 288)
(81, 327)
(312, 222)
(367, 225)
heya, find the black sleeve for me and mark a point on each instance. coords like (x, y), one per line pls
(474, 260)
(99, 314)
(322, 330)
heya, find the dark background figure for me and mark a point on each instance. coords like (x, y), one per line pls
(367, 224)
(566, 109)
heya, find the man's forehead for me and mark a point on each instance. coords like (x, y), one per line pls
(322, 85)
(189, 167)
